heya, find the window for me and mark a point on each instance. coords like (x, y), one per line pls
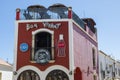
(116, 70)
(43, 41)
(57, 75)
(42, 46)
(119, 72)
(94, 59)
(28, 75)
(0, 76)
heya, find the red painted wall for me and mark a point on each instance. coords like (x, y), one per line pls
(24, 36)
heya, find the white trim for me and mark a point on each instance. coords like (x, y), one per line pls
(42, 74)
(54, 68)
(33, 40)
(43, 20)
(28, 67)
(71, 46)
(84, 31)
(42, 30)
(15, 46)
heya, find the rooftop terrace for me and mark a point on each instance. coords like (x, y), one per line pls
(56, 11)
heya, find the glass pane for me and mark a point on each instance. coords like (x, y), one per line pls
(57, 75)
(28, 75)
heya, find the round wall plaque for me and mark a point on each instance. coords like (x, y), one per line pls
(23, 47)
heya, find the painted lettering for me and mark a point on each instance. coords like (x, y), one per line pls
(51, 25)
(29, 26)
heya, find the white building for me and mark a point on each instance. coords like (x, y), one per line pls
(106, 67)
(117, 70)
(5, 71)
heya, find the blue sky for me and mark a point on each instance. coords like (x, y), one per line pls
(106, 14)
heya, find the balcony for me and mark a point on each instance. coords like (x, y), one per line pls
(43, 13)
(50, 13)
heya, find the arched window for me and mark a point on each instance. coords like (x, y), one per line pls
(57, 75)
(28, 75)
(42, 46)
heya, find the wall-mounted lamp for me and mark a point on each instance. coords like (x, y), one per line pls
(15, 72)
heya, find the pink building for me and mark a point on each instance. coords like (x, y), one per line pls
(54, 44)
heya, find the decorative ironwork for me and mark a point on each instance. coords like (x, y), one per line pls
(50, 13)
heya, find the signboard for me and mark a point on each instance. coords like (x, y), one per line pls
(45, 25)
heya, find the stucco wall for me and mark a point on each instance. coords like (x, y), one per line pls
(83, 57)
(6, 75)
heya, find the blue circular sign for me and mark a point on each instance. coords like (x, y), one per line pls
(23, 47)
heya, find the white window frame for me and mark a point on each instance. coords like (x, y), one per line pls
(33, 42)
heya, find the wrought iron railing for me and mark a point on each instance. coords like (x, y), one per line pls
(54, 13)
(78, 20)
(43, 13)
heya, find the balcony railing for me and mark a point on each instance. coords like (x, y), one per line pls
(54, 13)
(43, 13)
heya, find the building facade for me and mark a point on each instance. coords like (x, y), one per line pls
(54, 44)
(6, 72)
(109, 68)
(117, 70)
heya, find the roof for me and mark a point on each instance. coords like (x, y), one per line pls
(90, 19)
(35, 6)
(57, 5)
(2, 62)
(106, 55)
